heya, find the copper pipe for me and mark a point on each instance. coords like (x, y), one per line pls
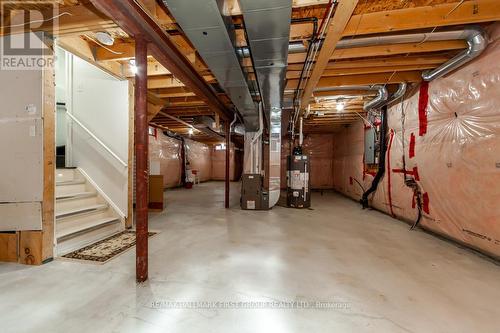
(141, 155)
(228, 151)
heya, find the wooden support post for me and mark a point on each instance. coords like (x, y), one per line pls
(228, 151)
(141, 155)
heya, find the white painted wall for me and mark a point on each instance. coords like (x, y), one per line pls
(21, 148)
(101, 103)
(61, 86)
(61, 126)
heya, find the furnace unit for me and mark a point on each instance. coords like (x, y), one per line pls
(298, 184)
(253, 197)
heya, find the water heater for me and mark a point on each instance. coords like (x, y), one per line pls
(298, 181)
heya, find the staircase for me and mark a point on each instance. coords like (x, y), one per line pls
(83, 216)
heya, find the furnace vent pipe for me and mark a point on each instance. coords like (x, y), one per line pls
(381, 99)
(377, 102)
(398, 93)
(476, 41)
(301, 133)
(474, 35)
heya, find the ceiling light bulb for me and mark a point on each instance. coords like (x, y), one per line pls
(105, 38)
(191, 131)
(340, 107)
(133, 66)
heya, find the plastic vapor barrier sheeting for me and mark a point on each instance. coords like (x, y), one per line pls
(445, 136)
(319, 148)
(199, 157)
(165, 159)
(219, 164)
(167, 152)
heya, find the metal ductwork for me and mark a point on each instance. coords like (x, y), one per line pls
(398, 93)
(377, 102)
(347, 43)
(206, 122)
(476, 41)
(213, 36)
(267, 24)
(475, 37)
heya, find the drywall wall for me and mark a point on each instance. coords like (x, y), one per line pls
(61, 126)
(100, 102)
(448, 135)
(61, 86)
(21, 145)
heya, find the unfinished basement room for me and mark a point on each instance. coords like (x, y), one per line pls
(250, 166)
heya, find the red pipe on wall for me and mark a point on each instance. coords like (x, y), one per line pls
(228, 151)
(141, 155)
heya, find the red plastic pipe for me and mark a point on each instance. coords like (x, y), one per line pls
(141, 155)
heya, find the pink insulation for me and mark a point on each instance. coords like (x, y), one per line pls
(451, 143)
(219, 164)
(199, 157)
(319, 148)
(209, 163)
(167, 152)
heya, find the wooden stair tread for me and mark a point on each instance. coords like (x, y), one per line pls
(77, 195)
(70, 182)
(84, 209)
(91, 223)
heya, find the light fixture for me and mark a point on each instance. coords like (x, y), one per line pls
(190, 131)
(105, 38)
(133, 66)
(340, 107)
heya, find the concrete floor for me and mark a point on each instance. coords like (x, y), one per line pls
(377, 275)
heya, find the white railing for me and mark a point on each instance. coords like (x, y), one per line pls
(97, 139)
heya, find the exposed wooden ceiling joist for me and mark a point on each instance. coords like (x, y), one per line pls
(459, 12)
(337, 25)
(349, 80)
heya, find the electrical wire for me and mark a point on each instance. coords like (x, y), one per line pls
(37, 21)
(359, 184)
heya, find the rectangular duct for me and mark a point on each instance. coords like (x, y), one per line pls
(267, 24)
(213, 37)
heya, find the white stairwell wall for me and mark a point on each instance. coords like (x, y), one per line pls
(83, 215)
(99, 102)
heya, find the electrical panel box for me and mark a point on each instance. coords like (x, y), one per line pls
(252, 195)
(370, 145)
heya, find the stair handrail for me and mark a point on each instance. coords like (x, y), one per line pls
(89, 132)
